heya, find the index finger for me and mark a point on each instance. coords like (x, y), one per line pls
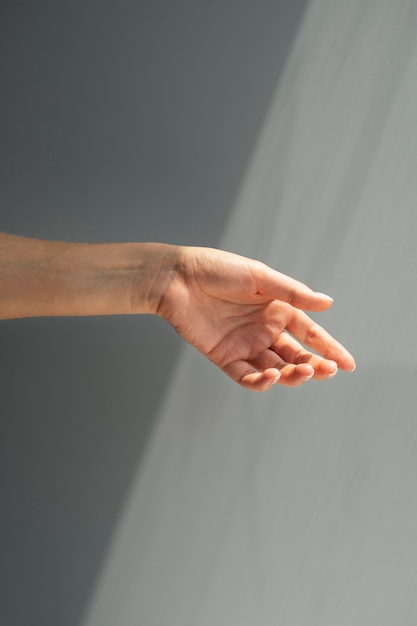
(314, 336)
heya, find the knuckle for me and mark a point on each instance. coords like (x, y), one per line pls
(312, 333)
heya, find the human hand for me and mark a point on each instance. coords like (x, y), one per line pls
(242, 315)
(248, 320)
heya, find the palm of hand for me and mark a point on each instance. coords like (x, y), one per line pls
(220, 303)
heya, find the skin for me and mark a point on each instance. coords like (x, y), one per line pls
(245, 317)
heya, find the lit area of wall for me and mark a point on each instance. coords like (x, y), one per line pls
(299, 506)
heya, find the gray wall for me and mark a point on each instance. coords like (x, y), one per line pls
(119, 121)
(299, 506)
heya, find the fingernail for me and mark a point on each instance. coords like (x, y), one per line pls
(310, 374)
(335, 370)
(274, 380)
(324, 295)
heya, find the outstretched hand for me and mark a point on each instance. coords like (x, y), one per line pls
(249, 321)
(245, 317)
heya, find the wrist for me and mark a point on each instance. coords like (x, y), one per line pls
(157, 266)
(126, 278)
(49, 278)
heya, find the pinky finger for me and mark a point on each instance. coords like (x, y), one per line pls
(249, 378)
(294, 375)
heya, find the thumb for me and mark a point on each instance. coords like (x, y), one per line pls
(277, 286)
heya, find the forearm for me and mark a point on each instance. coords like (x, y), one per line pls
(49, 278)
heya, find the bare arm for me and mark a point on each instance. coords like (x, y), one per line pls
(48, 278)
(242, 315)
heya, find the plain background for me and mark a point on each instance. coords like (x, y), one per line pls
(299, 506)
(119, 121)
